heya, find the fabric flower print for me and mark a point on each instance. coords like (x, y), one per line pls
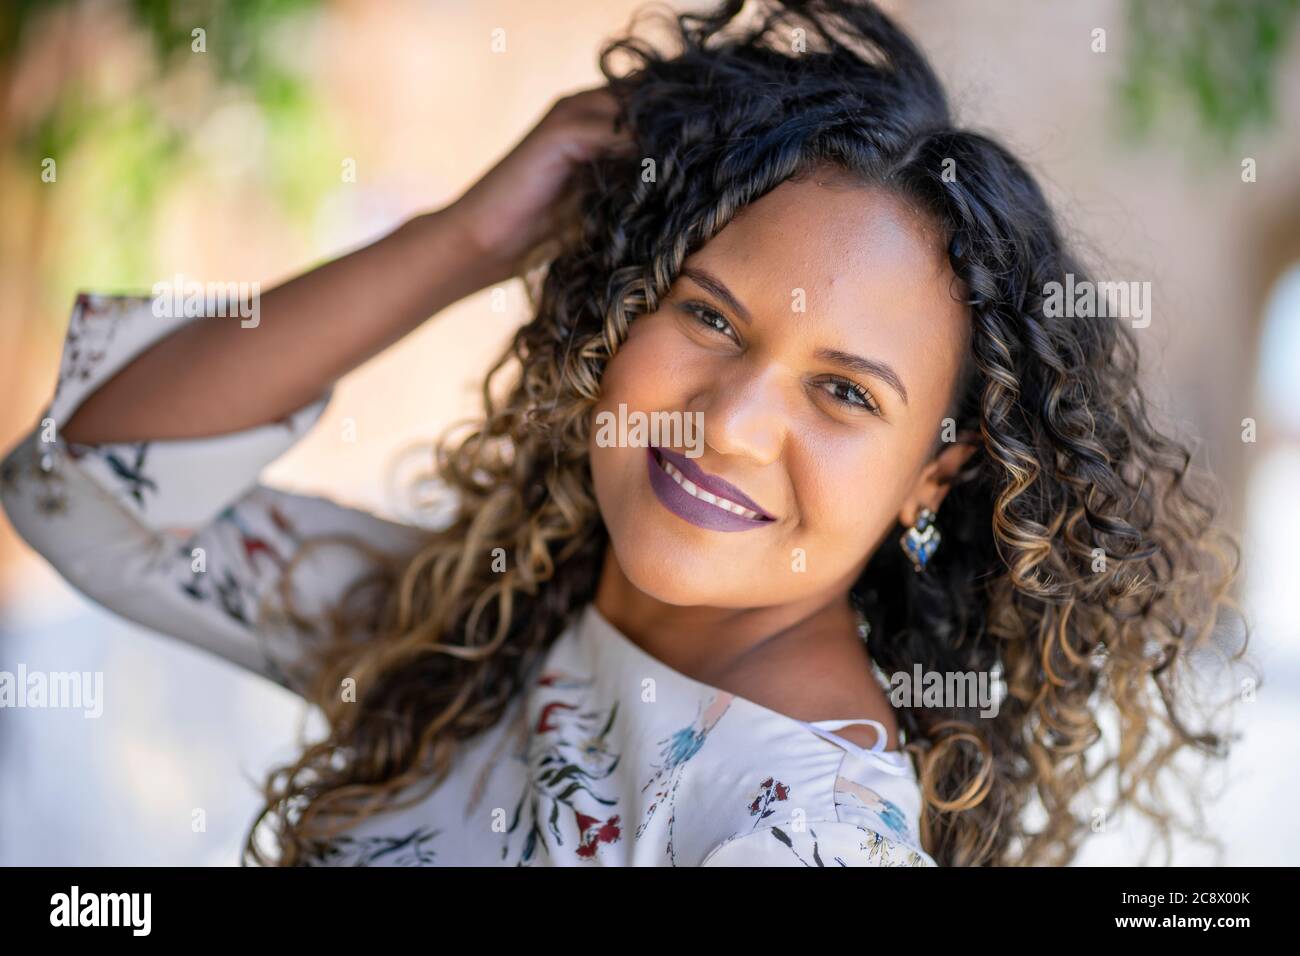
(51, 500)
(411, 849)
(594, 831)
(90, 334)
(569, 756)
(770, 791)
(886, 853)
(858, 796)
(130, 471)
(679, 747)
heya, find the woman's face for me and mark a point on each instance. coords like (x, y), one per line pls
(817, 341)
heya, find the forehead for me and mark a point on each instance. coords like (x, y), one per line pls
(873, 271)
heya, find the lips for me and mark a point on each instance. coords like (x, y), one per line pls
(704, 500)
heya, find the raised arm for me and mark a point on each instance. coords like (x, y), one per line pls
(223, 375)
(139, 481)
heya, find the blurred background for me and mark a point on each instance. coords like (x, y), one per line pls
(1167, 134)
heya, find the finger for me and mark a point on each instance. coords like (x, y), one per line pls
(600, 138)
(589, 125)
(599, 101)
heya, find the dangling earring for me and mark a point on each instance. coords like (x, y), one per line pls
(921, 540)
(864, 628)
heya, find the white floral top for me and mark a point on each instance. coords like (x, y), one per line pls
(610, 757)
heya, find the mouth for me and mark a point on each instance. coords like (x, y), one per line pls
(702, 499)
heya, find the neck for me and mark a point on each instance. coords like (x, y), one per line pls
(702, 640)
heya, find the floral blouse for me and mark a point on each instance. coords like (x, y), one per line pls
(609, 757)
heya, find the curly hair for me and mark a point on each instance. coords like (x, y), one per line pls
(1082, 565)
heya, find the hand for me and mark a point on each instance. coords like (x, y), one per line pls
(528, 196)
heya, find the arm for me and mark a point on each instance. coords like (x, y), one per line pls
(821, 843)
(219, 376)
(139, 481)
(177, 534)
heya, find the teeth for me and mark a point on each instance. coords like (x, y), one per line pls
(694, 490)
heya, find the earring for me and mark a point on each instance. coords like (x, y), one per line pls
(864, 628)
(921, 540)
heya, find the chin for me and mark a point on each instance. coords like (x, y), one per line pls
(680, 591)
(663, 566)
(665, 557)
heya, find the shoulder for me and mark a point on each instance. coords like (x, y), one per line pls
(811, 805)
(819, 678)
(821, 843)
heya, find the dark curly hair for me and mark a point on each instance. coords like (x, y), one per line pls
(1081, 562)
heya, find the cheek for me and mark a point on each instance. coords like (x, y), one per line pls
(633, 377)
(651, 366)
(653, 370)
(850, 487)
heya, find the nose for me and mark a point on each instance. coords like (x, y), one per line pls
(745, 414)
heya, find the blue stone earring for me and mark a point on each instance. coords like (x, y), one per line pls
(921, 540)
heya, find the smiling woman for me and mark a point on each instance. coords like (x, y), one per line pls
(796, 361)
(632, 655)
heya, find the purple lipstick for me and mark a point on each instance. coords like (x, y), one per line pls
(705, 500)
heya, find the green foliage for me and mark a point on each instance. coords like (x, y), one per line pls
(1218, 57)
(118, 154)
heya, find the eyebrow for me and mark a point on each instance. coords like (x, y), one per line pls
(714, 286)
(866, 366)
(855, 363)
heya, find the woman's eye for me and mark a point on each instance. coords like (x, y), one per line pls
(842, 390)
(852, 394)
(710, 318)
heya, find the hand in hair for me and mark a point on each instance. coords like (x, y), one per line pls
(528, 197)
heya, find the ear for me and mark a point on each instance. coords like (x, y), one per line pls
(936, 478)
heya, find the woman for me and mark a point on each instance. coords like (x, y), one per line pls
(693, 649)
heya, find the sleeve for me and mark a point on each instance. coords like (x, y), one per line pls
(824, 843)
(179, 535)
